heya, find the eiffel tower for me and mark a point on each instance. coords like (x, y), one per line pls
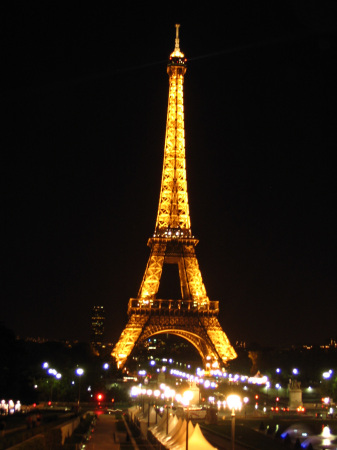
(194, 316)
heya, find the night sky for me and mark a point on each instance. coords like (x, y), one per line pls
(85, 101)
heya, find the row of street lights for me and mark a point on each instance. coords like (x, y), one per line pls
(79, 372)
(233, 402)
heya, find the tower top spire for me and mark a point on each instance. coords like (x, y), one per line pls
(177, 51)
(177, 48)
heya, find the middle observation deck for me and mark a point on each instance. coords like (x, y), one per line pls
(173, 307)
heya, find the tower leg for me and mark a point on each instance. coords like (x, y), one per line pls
(128, 338)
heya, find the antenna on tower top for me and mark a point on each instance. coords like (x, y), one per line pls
(177, 48)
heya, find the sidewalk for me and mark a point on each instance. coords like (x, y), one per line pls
(104, 437)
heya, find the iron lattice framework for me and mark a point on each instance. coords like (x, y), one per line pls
(194, 317)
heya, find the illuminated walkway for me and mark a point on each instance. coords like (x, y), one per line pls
(105, 435)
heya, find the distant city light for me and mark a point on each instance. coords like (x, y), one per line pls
(295, 371)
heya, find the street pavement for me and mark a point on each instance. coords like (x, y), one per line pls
(105, 436)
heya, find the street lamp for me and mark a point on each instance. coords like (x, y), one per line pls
(149, 393)
(187, 397)
(79, 372)
(156, 393)
(327, 375)
(234, 403)
(55, 374)
(245, 401)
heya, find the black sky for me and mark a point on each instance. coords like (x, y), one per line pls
(85, 98)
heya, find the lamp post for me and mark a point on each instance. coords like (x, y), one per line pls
(156, 393)
(187, 397)
(149, 393)
(245, 401)
(54, 373)
(234, 403)
(79, 373)
(143, 393)
(167, 418)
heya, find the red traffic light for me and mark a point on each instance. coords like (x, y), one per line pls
(100, 397)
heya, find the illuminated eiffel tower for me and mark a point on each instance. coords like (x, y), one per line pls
(194, 317)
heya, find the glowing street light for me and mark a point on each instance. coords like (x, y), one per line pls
(234, 403)
(54, 373)
(327, 375)
(187, 397)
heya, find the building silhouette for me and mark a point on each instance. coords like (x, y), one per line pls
(97, 328)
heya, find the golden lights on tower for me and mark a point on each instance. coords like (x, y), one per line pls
(194, 316)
